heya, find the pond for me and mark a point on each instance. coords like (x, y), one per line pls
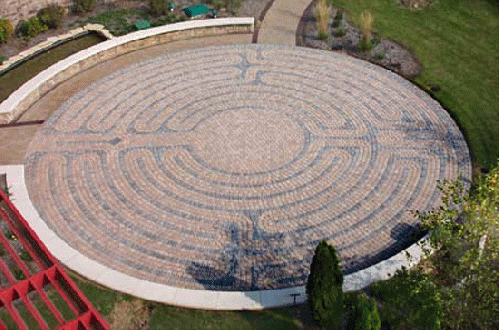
(14, 78)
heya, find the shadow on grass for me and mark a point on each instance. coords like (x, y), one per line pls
(295, 317)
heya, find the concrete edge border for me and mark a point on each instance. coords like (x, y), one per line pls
(200, 299)
(30, 92)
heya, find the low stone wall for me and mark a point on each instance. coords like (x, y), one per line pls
(53, 41)
(20, 100)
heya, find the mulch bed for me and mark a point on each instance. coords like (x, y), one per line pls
(346, 38)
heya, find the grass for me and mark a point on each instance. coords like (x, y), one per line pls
(178, 318)
(457, 43)
(181, 318)
(45, 312)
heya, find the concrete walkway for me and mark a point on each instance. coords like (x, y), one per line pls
(281, 22)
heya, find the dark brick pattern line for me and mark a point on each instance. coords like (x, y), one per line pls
(221, 168)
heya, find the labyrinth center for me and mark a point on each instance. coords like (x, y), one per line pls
(222, 168)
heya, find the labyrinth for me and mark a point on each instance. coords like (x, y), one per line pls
(222, 168)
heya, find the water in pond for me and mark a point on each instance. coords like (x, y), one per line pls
(13, 79)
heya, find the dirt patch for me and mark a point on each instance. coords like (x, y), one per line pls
(344, 37)
(129, 315)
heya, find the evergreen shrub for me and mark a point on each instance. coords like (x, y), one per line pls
(324, 286)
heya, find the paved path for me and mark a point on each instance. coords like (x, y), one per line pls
(221, 168)
(12, 151)
(281, 22)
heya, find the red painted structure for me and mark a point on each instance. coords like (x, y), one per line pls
(26, 287)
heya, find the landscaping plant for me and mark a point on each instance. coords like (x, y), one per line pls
(6, 30)
(84, 6)
(158, 7)
(364, 314)
(410, 299)
(366, 22)
(51, 16)
(31, 28)
(464, 231)
(324, 286)
(322, 17)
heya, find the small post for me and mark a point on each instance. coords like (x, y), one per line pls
(294, 295)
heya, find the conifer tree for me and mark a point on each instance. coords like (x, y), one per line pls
(324, 286)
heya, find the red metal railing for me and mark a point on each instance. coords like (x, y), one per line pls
(25, 285)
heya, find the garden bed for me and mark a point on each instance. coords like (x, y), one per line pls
(342, 36)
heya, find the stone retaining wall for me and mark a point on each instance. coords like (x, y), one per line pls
(20, 100)
(51, 42)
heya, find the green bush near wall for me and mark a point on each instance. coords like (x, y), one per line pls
(51, 16)
(31, 28)
(6, 30)
(84, 6)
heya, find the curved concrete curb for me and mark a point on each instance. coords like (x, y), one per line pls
(20, 100)
(202, 299)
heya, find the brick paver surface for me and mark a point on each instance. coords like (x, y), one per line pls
(222, 168)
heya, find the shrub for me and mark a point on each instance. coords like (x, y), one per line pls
(31, 28)
(365, 315)
(2, 59)
(84, 6)
(51, 16)
(158, 7)
(10, 235)
(338, 19)
(364, 45)
(6, 30)
(411, 299)
(18, 274)
(381, 55)
(321, 35)
(341, 32)
(24, 255)
(324, 286)
(170, 18)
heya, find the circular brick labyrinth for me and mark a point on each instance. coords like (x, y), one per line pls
(222, 168)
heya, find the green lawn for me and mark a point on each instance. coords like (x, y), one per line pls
(457, 43)
(170, 317)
